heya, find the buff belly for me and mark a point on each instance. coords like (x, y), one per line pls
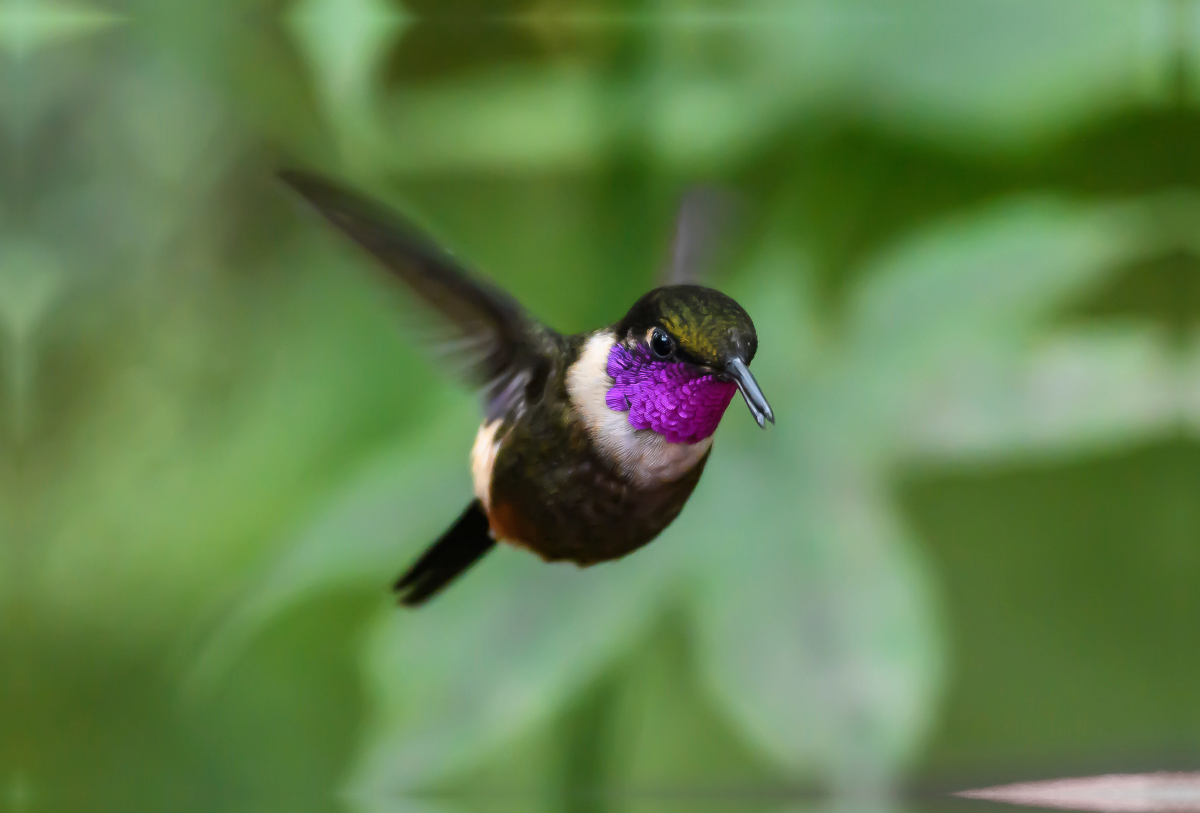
(483, 459)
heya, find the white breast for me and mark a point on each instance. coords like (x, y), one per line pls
(642, 455)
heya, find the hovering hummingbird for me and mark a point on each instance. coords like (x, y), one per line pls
(590, 444)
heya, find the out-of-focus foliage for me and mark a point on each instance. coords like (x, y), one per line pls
(968, 544)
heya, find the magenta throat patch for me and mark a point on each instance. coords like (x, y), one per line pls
(666, 397)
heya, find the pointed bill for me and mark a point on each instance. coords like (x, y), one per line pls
(741, 375)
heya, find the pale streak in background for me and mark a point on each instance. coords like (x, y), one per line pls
(1112, 793)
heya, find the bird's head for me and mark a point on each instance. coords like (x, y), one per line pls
(680, 353)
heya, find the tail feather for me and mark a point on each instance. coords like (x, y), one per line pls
(465, 543)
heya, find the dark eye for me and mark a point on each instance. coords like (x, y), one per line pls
(661, 345)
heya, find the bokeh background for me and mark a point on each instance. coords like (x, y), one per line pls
(968, 552)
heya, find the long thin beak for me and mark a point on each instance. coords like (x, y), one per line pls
(759, 408)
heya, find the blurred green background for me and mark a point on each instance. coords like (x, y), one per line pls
(968, 552)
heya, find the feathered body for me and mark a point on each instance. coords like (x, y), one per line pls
(591, 444)
(570, 478)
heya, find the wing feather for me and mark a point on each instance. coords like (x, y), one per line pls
(705, 215)
(497, 344)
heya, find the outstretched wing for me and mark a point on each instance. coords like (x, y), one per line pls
(705, 215)
(500, 346)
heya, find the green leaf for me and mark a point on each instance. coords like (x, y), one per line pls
(364, 536)
(493, 657)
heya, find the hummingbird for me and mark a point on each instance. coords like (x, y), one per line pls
(590, 444)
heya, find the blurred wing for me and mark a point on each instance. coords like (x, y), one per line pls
(704, 215)
(491, 336)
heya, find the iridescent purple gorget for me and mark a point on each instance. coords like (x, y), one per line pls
(669, 398)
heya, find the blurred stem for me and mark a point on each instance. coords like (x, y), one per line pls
(589, 737)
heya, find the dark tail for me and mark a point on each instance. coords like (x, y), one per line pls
(464, 544)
